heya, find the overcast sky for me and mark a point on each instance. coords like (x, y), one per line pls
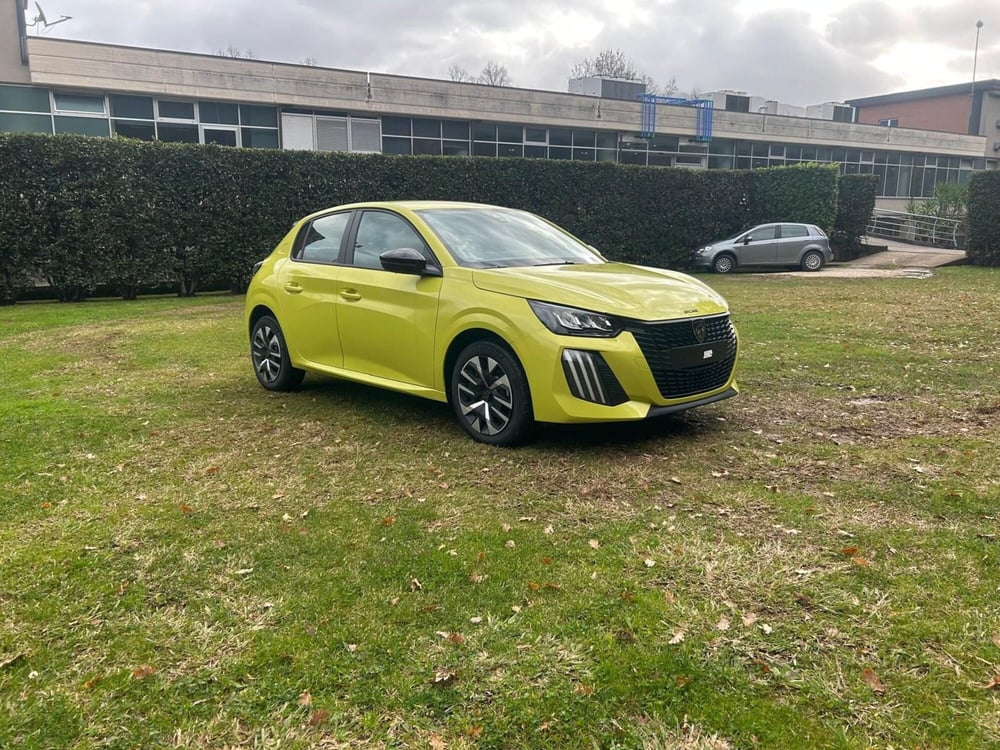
(796, 51)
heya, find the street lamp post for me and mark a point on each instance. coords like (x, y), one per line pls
(974, 126)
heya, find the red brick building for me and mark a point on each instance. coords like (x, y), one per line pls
(953, 109)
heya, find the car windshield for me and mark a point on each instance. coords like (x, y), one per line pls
(499, 237)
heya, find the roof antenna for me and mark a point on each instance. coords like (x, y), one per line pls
(40, 19)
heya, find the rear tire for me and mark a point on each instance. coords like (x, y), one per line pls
(812, 261)
(489, 394)
(724, 263)
(269, 355)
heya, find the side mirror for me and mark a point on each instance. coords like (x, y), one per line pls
(407, 260)
(747, 239)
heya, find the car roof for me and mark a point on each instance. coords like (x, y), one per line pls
(409, 205)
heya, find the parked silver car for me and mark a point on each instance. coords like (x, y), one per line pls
(805, 246)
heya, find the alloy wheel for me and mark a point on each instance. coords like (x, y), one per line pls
(485, 396)
(266, 354)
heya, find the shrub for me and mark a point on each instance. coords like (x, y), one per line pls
(92, 212)
(855, 204)
(982, 243)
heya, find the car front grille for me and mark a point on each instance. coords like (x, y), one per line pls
(665, 347)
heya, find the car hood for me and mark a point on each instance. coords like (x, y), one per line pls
(614, 288)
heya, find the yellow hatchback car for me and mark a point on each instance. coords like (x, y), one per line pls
(499, 312)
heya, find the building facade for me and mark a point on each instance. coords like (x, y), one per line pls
(60, 86)
(963, 108)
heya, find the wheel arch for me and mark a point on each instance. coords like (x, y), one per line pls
(258, 312)
(465, 338)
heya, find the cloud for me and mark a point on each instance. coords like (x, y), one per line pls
(707, 45)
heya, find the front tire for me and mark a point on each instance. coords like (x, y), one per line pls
(724, 263)
(490, 396)
(269, 355)
(812, 261)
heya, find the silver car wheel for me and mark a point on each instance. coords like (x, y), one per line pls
(484, 394)
(266, 354)
(812, 261)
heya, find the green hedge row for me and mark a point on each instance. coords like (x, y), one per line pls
(982, 243)
(855, 203)
(84, 213)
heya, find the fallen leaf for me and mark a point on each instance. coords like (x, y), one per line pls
(860, 561)
(549, 529)
(723, 623)
(388, 521)
(546, 560)
(509, 544)
(351, 647)
(443, 678)
(475, 732)
(849, 551)
(583, 689)
(505, 527)
(143, 672)
(996, 640)
(594, 543)
(627, 596)
(766, 628)
(92, 682)
(749, 619)
(678, 637)
(46, 505)
(186, 509)
(649, 563)
(681, 680)
(475, 620)
(869, 676)
(551, 586)
(668, 597)
(533, 586)
(436, 742)
(318, 717)
(305, 698)
(212, 470)
(415, 585)
(993, 684)
(456, 638)
(476, 577)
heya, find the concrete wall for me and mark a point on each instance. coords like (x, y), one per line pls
(84, 66)
(11, 68)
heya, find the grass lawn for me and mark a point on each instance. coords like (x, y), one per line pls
(187, 560)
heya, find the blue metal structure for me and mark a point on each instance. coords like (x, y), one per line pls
(703, 116)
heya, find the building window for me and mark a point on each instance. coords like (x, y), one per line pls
(889, 122)
(24, 99)
(219, 113)
(174, 110)
(78, 103)
(96, 126)
(177, 133)
(143, 131)
(132, 107)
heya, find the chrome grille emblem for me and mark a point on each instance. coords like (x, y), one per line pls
(700, 330)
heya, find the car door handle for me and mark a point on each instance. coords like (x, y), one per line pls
(292, 287)
(351, 295)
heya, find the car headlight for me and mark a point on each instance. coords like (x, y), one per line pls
(703, 250)
(572, 321)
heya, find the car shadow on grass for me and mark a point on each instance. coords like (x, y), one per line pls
(381, 409)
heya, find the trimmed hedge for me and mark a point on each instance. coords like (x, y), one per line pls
(855, 204)
(982, 243)
(85, 213)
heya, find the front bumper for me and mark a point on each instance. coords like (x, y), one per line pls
(650, 369)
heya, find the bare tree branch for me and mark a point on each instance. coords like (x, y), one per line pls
(495, 74)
